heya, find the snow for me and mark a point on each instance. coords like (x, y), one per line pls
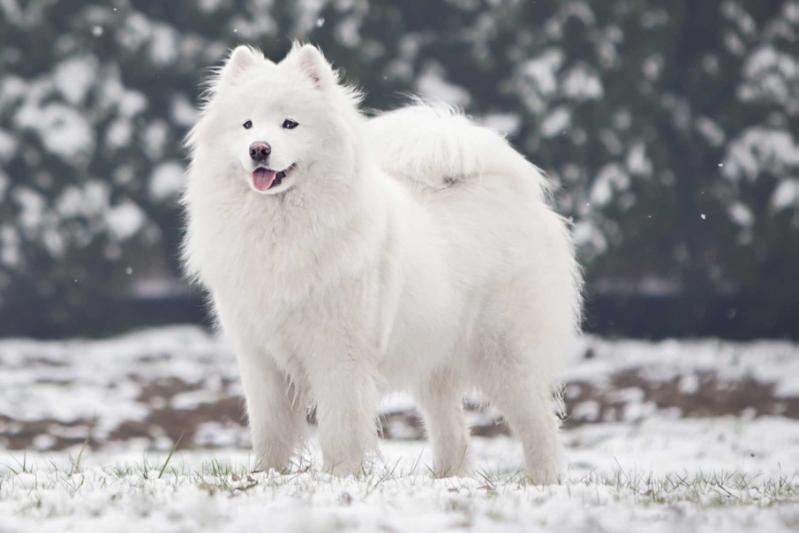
(654, 18)
(581, 82)
(106, 392)
(32, 208)
(183, 113)
(611, 178)
(786, 195)
(556, 122)
(637, 160)
(759, 150)
(154, 138)
(164, 49)
(90, 199)
(125, 220)
(348, 31)
(8, 146)
(209, 6)
(767, 361)
(135, 32)
(652, 468)
(119, 133)
(538, 78)
(741, 215)
(771, 76)
(167, 181)
(113, 94)
(255, 24)
(64, 131)
(710, 130)
(622, 119)
(9, 251)
(653, 66)
(587, 234)
(506, 124)
(74, 77)
(433, 86)
(664, 476)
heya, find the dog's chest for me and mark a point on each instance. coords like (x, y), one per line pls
(267, 288)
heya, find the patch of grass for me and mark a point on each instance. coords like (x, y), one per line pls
(374, 479)
(169, 456)
(75, 467)
(34, 486)
(709, 490)
(22, 466)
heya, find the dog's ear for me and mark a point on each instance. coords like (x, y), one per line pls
(241, 60)
(312, 63)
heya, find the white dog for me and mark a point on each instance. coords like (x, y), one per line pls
(346, 256)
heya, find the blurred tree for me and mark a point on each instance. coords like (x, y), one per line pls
(670, 127)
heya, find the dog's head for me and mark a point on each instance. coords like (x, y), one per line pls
(276, 126)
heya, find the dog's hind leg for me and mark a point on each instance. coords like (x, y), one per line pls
(530, 413)
(440, 399)
(514, 377)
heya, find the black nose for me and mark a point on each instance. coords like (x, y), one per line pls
(259, 151)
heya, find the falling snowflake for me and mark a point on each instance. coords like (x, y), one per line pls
(320, 22)
(703, 216)
(97, 31)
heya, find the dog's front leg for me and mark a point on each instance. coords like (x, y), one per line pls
(275, 411)
(346, 406)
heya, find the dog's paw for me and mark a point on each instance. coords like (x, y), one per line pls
(441, 473)
(544, 474)
(279, 463)
(345, 468)
(459, 468)
(453, 461)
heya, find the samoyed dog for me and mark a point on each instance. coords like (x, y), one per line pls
(346, 257)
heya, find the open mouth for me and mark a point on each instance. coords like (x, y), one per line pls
(264, 179)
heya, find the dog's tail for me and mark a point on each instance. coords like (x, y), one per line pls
(438, 147)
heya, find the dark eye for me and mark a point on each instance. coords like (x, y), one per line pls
(247, 125)
(290, 124)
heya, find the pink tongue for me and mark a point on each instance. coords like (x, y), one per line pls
(262, 179)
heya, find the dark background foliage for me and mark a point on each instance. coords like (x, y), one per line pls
(670, 128)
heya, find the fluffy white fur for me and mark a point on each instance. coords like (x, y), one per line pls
(411, 251)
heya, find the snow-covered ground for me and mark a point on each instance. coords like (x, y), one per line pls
(672, 436)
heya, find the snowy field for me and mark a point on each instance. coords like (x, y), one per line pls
(144, 432)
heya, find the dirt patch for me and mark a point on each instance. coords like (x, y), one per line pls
(627, 396)
(631, 396)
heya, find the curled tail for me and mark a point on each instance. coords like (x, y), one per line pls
(437, 148)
